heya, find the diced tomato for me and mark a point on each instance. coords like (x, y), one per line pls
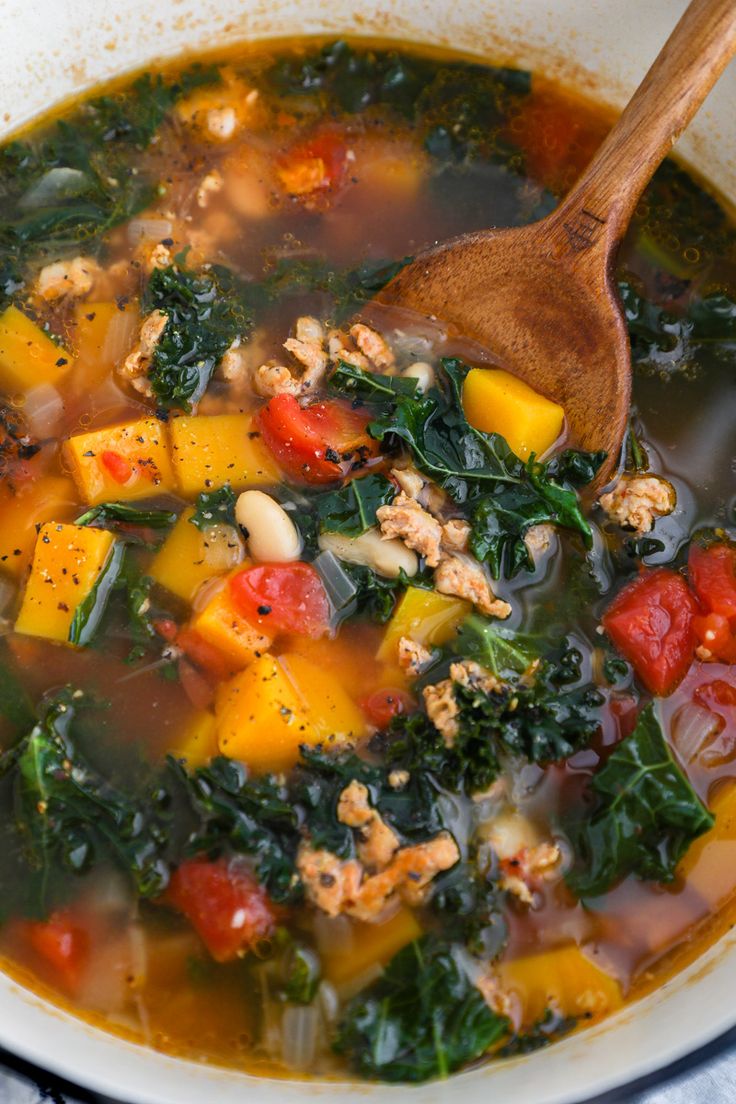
(557, 137)
(314, 165)
(62, 944)
(314, 443)
(116, 466)
(197, 686)
(381, 707)
(225, 905)
(712, 574)
(166, 628)
(282, 598)
(651, 624)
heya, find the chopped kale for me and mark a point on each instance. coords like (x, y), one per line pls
(214, 508)
(652, 329)
(497, 649)
(412, 811)
(252, 815)
(118, 515)
(205, 312)
(347, 289)
(352, 509)
(423, 1018)
(645, 815)
(713, 318)
(543, 722)
(504, 496)
(69, 816)
(90, 611)
(74, 184)
(468, 903)
(458, 109)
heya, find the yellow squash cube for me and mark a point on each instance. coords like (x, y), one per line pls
(103, 334)
(28, 356)
(68, 563)
(198, 742)
(101, 459)
(208, 451)
(426, 616)
(222, 626)
(332, 712)
(51, 498)
(497, 402)
(261, 719)
(563, 978)
(372, 945)
(267, 711)
(189, 557)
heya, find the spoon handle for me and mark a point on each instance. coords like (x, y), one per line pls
(594, 215)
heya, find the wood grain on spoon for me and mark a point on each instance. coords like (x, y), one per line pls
(543, 298)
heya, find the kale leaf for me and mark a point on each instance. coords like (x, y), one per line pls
(252, 815)
(652, 329)
(90, 611)
(206, 312)
(116, 514)
(69, 816)
(412, 811)
(645, 816)
(76, 182)
(496, 648)
(423, 1018)
(352, 509)
(214, 508)
(504, 495)
(543, 722)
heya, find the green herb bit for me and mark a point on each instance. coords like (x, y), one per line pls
(423, 1018)
(646, 815)
(214, 508)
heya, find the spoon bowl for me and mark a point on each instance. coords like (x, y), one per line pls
(542, 299)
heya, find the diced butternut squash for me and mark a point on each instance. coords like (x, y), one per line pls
(426, 616)
(563, 978)
(267, 711)
(68, 562)
(198, 742)
(497, 402)
(222, 626)
(121, 462)
(709, 867)
(332, 712)
(189, 557)
(51, 498)
(28, 356)
(208, 451)
(372, 945)
(261, 719)
(103, 334)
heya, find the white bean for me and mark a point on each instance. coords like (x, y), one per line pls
(386, 557)
(270, 533)
(423, 373)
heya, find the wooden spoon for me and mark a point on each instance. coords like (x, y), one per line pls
(543, 298)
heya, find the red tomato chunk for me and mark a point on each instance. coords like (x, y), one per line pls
(713, 578)
(63, 946)
(381, 707)
(225, 905)
(314, 443)
(282, 598)
(651, 624)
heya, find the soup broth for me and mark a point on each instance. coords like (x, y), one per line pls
(347, 729)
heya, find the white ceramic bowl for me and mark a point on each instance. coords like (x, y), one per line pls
(53, 48)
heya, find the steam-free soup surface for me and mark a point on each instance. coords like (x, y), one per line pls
(346, 729)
